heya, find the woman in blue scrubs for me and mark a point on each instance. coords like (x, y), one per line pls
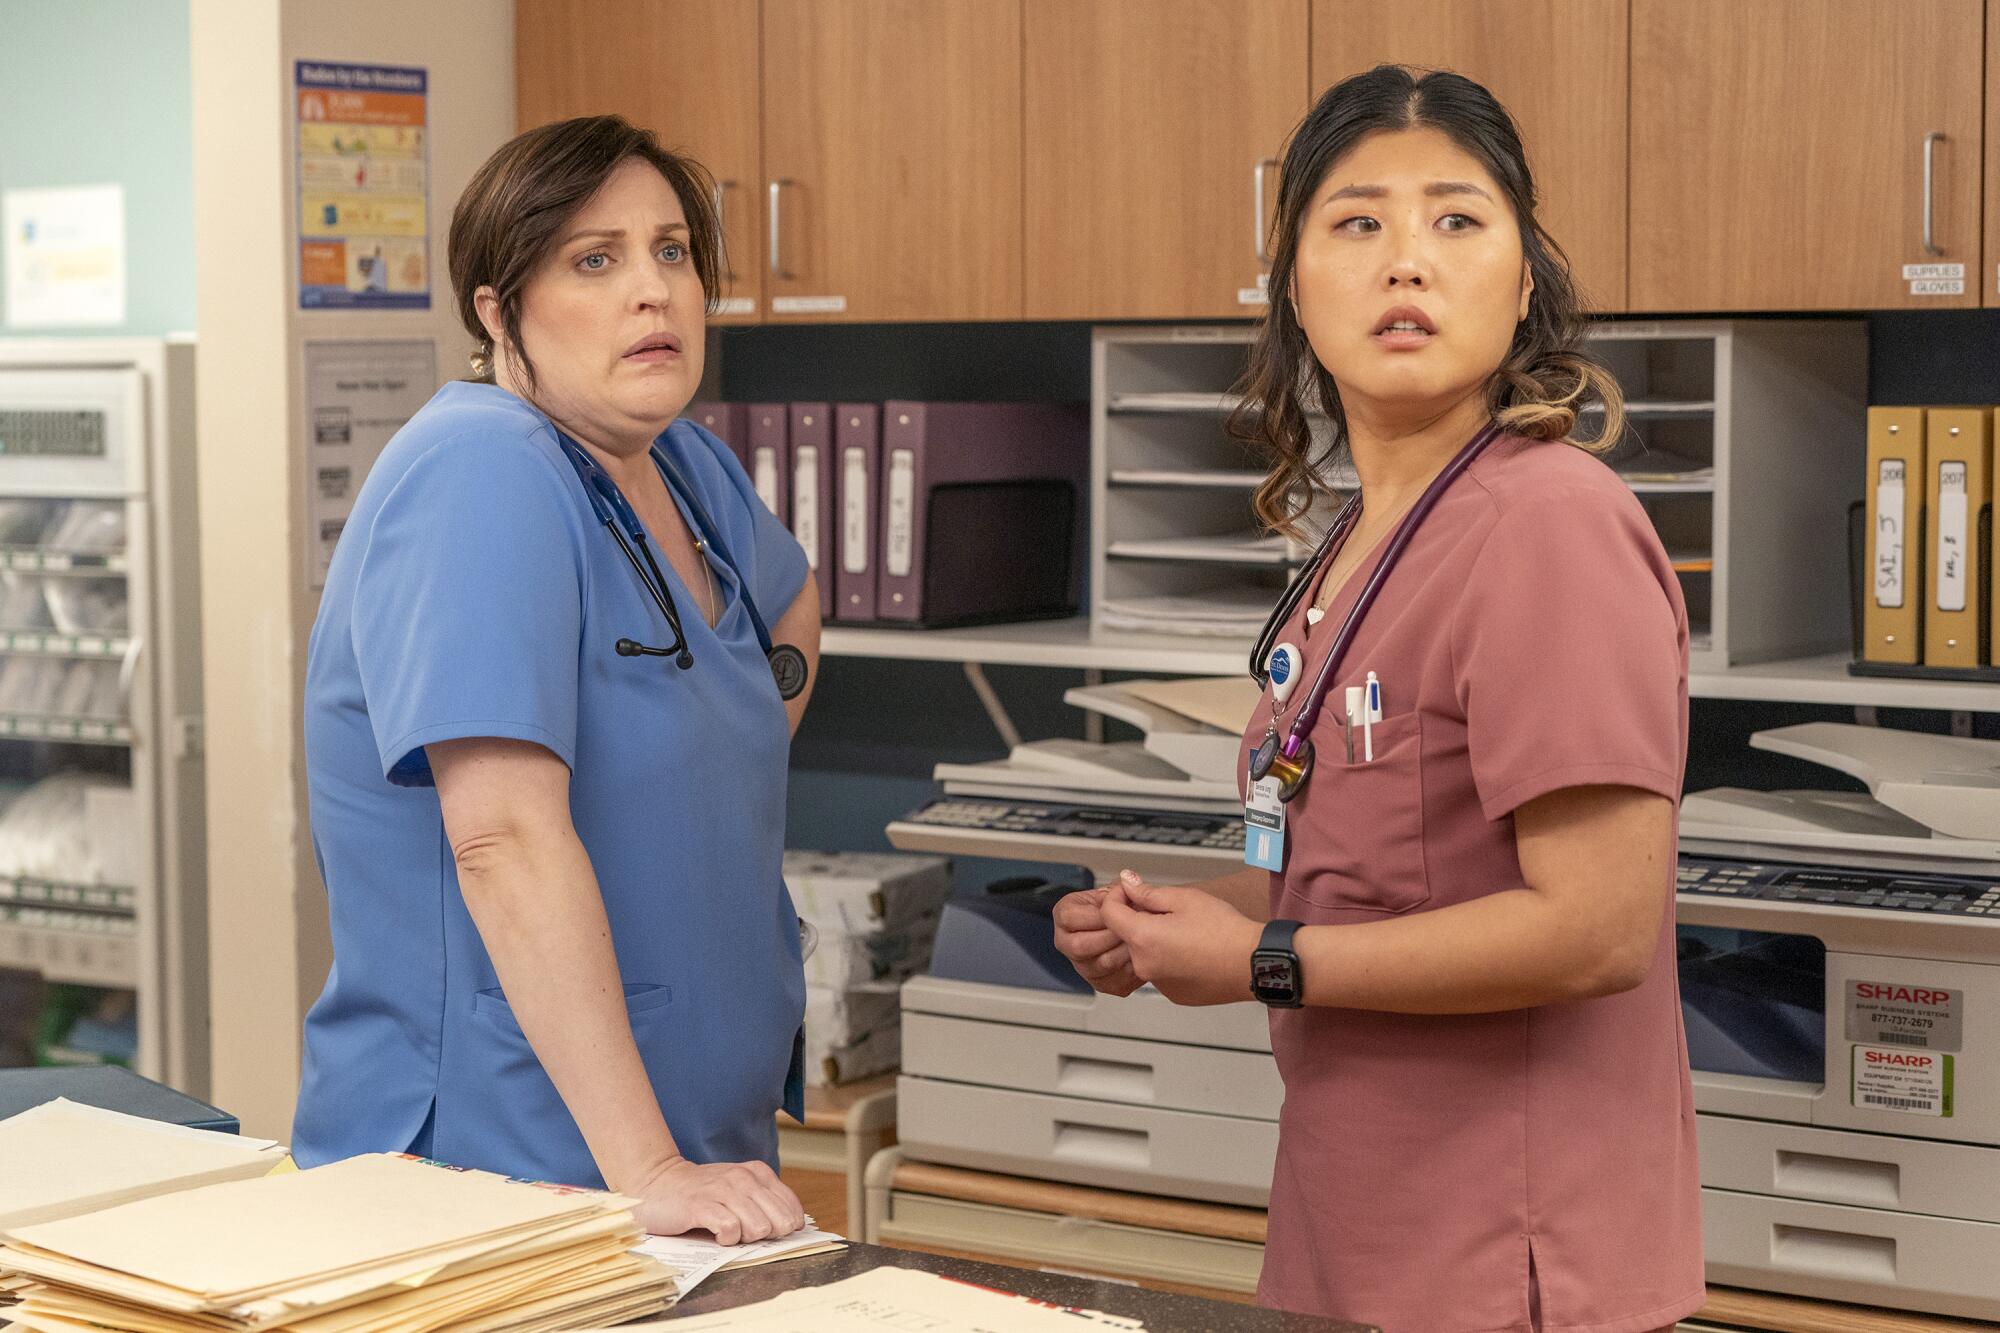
(562, 945)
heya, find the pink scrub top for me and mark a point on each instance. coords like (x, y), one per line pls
(1442, 1173)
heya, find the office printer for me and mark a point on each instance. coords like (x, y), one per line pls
(1840, 977)
(1010, 1062)
(1165, 806)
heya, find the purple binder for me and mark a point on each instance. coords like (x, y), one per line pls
(728, 422)
(813, 516)
(857, 438)
(983, 512)
(770, 463)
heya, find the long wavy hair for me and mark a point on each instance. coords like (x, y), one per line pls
(1539, 388)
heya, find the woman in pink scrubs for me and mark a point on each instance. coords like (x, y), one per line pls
(1487, 1121)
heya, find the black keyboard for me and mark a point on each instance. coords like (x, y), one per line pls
(1161, 828)
(1875, 890)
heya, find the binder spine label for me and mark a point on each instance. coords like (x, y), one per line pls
(1889, 569)
(764, 475)
(805, 501)
(901, 514)
(854, 513)
(1953, 537)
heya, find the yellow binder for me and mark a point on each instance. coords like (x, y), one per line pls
(1958, 446)
(1892, 616)
(1993, 559)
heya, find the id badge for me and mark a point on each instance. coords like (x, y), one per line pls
(1264, 827)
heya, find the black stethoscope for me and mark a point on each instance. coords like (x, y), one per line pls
(788, 664)
(1291, 762)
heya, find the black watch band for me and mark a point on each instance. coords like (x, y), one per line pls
(1275, 975)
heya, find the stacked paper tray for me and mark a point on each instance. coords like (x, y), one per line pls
(876, 916)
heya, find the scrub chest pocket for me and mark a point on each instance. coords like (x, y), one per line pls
(1359, 840)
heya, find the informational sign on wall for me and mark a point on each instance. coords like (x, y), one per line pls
(65, 257)
(364, 186)
(358, 393)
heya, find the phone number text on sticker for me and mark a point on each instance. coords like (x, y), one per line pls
(1886, 1078)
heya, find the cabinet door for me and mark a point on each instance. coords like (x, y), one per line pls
(1779, 153)
(1572, 123)
(892, 151)
(685, 69)
(1149, 124)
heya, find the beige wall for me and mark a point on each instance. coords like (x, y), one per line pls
(267, 910)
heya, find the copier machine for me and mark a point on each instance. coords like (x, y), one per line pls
(1840, 974)
(1840, 977)
(1010, 1062)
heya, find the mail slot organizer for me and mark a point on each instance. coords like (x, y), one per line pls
(1743, 440)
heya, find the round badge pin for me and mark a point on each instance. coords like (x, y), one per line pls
(1283, 668)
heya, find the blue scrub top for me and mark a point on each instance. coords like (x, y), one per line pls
(474, 593)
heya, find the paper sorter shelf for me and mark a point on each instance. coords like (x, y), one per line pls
(1657, 407)
(1205, 550)
(1175, 402)
(1194, 477)
(1221, 614)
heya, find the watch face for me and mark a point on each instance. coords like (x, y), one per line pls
(1274, 977)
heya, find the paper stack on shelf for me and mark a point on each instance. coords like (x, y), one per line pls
(374, 1244)
(876, 915)
(62, 1158)
(1244, 549)
(1226, 613)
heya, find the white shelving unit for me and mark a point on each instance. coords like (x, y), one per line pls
(103, 430)
(1171, 517)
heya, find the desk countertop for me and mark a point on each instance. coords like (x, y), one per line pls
(1161, 1311)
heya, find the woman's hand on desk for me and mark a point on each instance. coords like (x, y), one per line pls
(1190, 944)
(1099, 956)
(738, 1201)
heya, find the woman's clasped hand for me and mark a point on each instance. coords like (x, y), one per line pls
(1192, 946)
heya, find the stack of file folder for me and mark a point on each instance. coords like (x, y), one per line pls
(374, 1244)
(62, 1158)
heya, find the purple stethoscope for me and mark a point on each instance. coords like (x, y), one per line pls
(1291, 761)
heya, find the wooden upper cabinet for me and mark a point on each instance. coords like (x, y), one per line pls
(892, 153)
(1778, 152)
(1558, 66)
(685, 69)
(1148, 124)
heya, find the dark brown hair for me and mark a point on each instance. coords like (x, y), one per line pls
(1545, 379)
(521, 198)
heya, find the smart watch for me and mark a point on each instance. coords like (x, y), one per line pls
(1275, 975)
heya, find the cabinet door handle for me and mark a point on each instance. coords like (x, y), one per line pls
(1931, 141)
(778, 269)
(722, 188)
(1261, 234)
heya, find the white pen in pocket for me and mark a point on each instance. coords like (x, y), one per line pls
(1372, 714)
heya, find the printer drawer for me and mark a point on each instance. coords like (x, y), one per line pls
(1950, 1180)
(1242, 1084)
(1937, 1264)
(1220, 1158)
